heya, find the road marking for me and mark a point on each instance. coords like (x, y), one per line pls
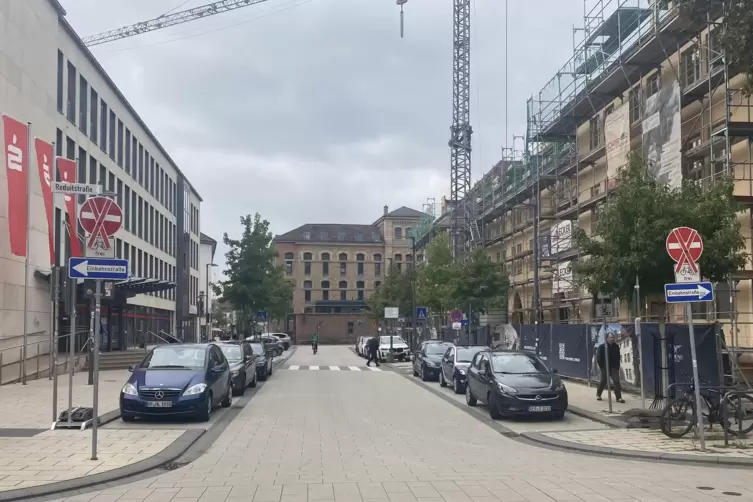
(374, 369)
(314, 368)
(354, 368)
(294, 368)
(334, 368)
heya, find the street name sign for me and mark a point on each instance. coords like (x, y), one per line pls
(97, 268)
(689, 292)
(76, 188)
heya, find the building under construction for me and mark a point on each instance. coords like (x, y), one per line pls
(642, 77)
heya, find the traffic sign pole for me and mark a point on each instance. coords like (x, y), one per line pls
(696, 379)
(95, 360)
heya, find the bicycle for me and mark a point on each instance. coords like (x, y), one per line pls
(683, 410)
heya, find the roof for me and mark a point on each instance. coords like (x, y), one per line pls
(331, 233)
(93, 60)
(205, 239)
(404, 212)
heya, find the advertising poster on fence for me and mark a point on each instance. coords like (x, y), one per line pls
(617, 139)
(662, 138)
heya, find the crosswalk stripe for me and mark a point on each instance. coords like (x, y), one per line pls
(294, 367)
(314, 368)
(334, 368)
(354, 368)
(374, 369)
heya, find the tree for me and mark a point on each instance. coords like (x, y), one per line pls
(395, 291)
(436, 276)
(629, 238)
(735, 38)
(253, 282)
(481, 282)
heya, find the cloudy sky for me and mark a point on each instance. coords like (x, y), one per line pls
(315, 111)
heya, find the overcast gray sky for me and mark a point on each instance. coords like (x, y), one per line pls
(315, 111)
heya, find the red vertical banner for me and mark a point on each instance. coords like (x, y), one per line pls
(67, 173)
(44, 166)
(16, 136)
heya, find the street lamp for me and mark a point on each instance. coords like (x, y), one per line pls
(208, 312)
(412, 238)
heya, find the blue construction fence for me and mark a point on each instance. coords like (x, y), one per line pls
(571, 349)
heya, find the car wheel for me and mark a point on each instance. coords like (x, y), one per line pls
(415, 372)
(493, 410)
(424, 378)
(253, 382)
(442, 382)
(456, 386)
(270, 370)
(227, 401)
(263, 375)
(559, 415)
(125, 417)
(241, 388)
(469, 399)
(207, 411)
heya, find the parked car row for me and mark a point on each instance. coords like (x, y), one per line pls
(510, 383)
(191, 380)
(397, 345)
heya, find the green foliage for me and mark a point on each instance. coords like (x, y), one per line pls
(736, 36)
(437, 276)
(630, 236)
(481, 282)
(395, 291)
(254, 282)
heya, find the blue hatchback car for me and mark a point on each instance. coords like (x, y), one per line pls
(178, 380)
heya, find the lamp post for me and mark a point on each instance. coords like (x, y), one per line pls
(207, 311)
(412, 238)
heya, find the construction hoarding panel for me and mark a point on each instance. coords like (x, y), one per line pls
(569, 349)
(562, 281)
(617, 139)
(662, 137)
(561, 236)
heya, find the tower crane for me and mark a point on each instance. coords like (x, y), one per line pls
(463, 228)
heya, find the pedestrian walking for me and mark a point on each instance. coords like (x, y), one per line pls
(611, 350)
(373, 349)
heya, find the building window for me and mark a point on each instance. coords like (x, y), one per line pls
(377, 284)
(307, 263)
(71, 109)
(61, 79)
(306, 236)
(360, 258)
(341, 236)
(594, 133)
(653, 84)
(119, 146)
(359, 236)
(377, 265)
(103, 126)
(408, 232)
(83, 110)
(112, 135)
(94, 118)
(350, 327)
(343, 264)
(634, 100)
(409, 262)
(323, 236)
(325, 290)
(307, 291)
(343, 285)
(398, 262)
(360, 287)
(397, 233)
(289, 263)
(325, 264)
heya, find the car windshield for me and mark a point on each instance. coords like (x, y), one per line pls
(436, 349)
(385, 340)
(517, 364)
(175, 357)
(233, 353)
(465, 354)
(257, 348)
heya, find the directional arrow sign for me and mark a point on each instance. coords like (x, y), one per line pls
(97, 268)
(689, 292)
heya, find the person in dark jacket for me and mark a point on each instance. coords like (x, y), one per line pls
(611, 350)
(372, 346)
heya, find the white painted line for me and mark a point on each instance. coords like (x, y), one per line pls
(374, 369)
(314, 368)
(334, 368)
(294, 368)
(354, 368)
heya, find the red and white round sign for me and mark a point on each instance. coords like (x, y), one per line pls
(100, 217)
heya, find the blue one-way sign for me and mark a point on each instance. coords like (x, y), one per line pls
(422, 313)
(689, 292)
(98, 268)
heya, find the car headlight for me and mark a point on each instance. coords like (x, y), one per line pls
(130, 389)
(506, 389)
(431, 364)
(560, 387)
(195, 389)
(234, 373)
(461, 372)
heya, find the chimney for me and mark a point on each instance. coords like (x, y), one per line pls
(386, 210)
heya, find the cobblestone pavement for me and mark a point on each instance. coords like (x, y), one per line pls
(365, 436)
(64, 454)
(655, 441)
(581, 395)
(29, 406)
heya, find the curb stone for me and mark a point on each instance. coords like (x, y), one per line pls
(597, 417)
(719, 460)
(181, 450)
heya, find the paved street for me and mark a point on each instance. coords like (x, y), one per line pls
(373, 436)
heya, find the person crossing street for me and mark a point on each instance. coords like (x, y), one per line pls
(372, 347)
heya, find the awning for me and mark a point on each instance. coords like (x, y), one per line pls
(141, 285)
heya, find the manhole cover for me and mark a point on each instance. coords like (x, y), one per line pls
(171, 466)
(704, 487)
(733, 494)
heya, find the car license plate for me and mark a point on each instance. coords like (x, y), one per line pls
(159, 404)
(539, 408)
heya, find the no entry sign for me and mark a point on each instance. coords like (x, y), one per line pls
(685, 247)
(100, 217)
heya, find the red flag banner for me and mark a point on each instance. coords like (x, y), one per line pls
(44, 166)
(16, 135)
(67, 173)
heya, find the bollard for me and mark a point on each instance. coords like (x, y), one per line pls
(20, 365)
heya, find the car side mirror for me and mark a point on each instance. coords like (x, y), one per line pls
(218, 369)
(132, 368)
(482, 371)
(555, 371)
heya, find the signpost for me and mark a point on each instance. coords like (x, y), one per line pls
(109, 269)
(456, 315)
(422, 314)
(264, 317)
(101, 218)
(391, 313)
(685, 247)
(75, 188)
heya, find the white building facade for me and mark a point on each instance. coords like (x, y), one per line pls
(207, 277)
(49, 79)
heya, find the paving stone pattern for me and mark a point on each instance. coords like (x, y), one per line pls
(315, 437)
(655, 441)
(65, 454)
(29, 406)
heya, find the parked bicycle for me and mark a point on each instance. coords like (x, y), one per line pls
(679, 416)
